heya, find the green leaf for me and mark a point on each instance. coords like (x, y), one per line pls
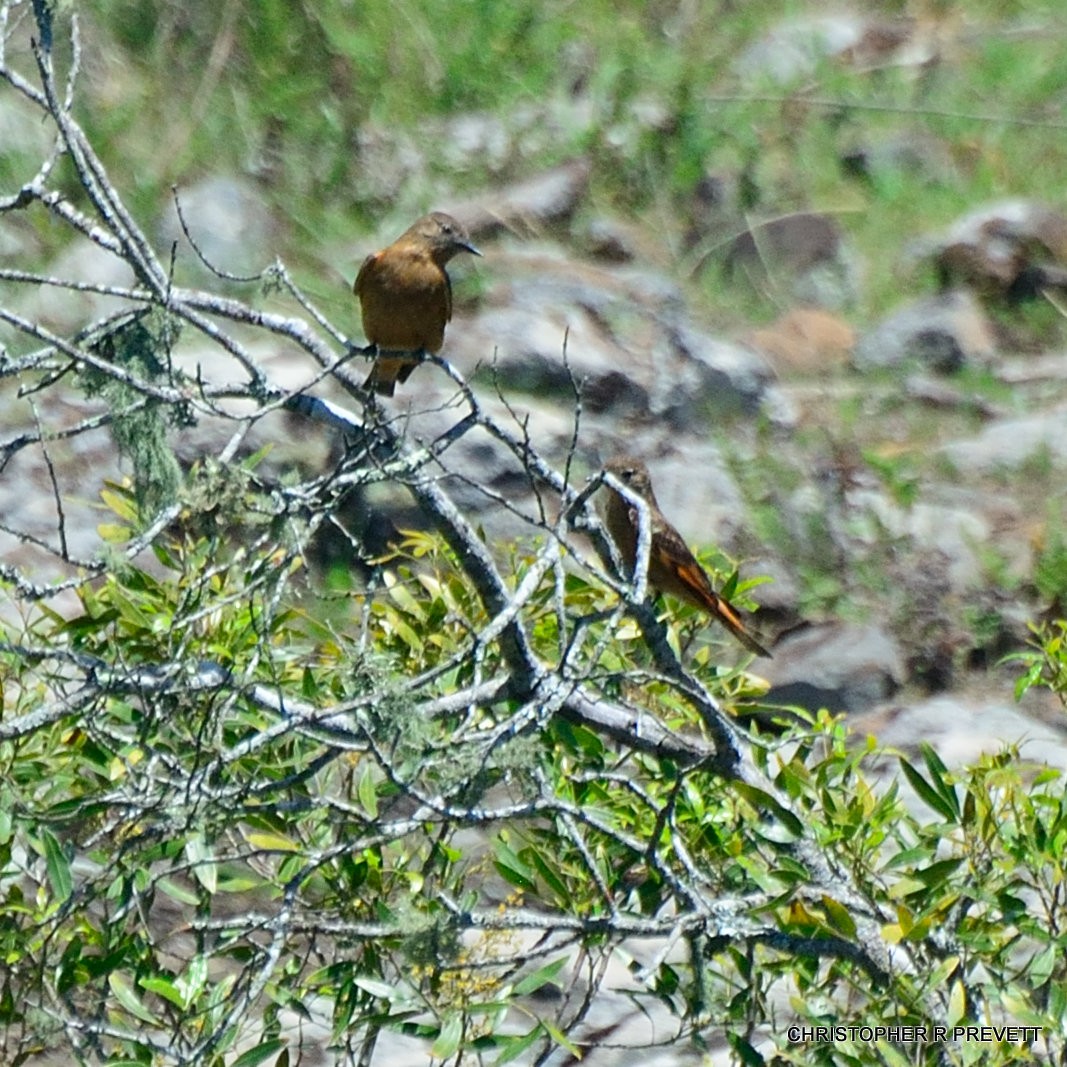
(512, 868)
(167, 990)
(1044, 965)
(957, 1004)
(201, 858)
(926, 792)
(448, 1039)
(514, 1047)
(58, 866)
(939, 775)
(376, 988)
(271, 842)
(548, 873)
(838, 916)
(367, 791)
(192, 982)
(260, 1053)
(943, 972)
(125, 995)
(561, 1039)
(540, 977)
(749, 1056)
(763, 801)
(936, 873)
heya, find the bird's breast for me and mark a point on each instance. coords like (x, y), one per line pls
(405, 302)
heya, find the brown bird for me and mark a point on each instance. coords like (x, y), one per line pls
(672, 568)
(406, 298)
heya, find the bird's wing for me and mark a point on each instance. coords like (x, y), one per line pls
(678, 572)
(671, 555)
(363, 274)
(448, 296)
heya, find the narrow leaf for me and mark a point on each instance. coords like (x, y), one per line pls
(58, 866)
(927, 794)
(540, 977)
(448, 1039)
(255, 1056)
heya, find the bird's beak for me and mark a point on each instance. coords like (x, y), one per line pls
(470, 248)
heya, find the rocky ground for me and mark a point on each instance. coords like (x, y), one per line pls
(898, 478)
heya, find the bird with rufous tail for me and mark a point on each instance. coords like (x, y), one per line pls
(672, 567)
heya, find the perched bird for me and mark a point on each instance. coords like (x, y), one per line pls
(406, 298)
(672, 568)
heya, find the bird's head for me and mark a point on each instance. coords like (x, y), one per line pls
(633, 474)
(445, 235)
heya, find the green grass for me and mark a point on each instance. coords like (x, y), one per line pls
(296, 96)
(282, 91)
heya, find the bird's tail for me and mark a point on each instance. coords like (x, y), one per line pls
(729, 618)
(383, 386)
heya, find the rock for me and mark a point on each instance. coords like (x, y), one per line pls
(803, 254)
(805, 340)
(937, 393)
(229, 221)
(529, 206)
(953, 530)
(779, 596)
(837, 666)
(716, 207)
(388, 160)
(1005, 251)
(1050, 367)
(725, 378)
(916, 153)
(942, 332)
(963, 727)
(794, 47)
(607, 240)
(393, 165)
(81, 260)
(626, 338)
(1008, 443)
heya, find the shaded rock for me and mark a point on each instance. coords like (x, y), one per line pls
(1009, 250)
(527, 207)
(1008, 443)
(805, 340)
(716, 208)
(916, 153)
(395, 164)
(1051, 367)
(607, 240)
(777, 597)
(388, 160)
(623, 334)
(942, 332)
(837, 666)
(525, 133)
(804, 254)
(723, 378)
